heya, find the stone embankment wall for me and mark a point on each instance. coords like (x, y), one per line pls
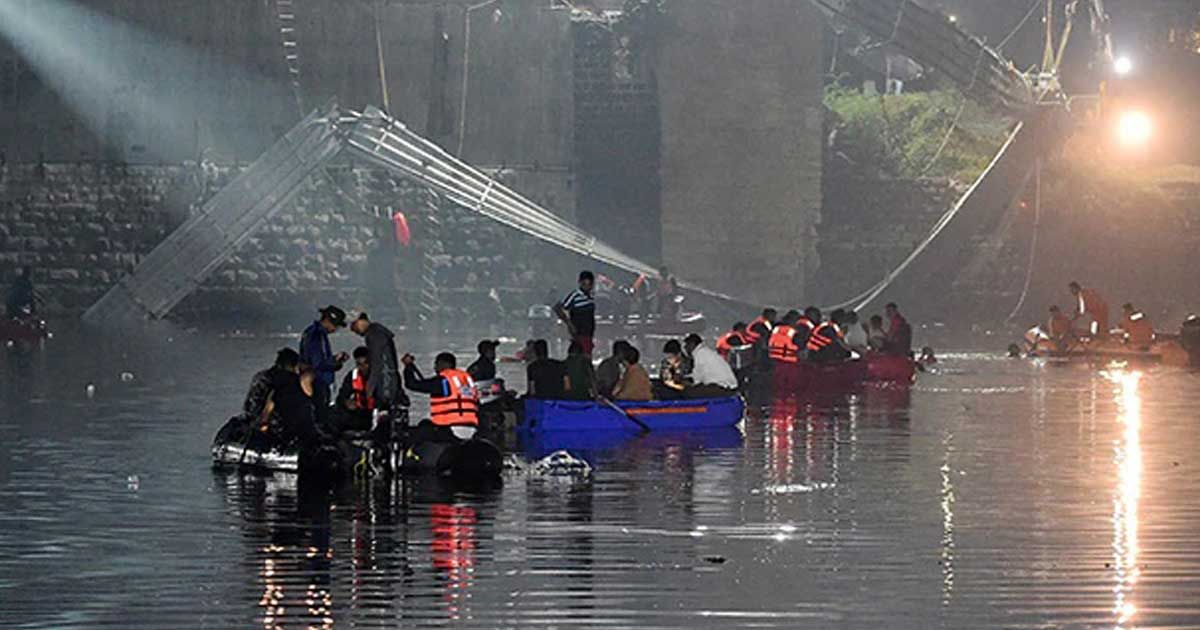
(82, 226)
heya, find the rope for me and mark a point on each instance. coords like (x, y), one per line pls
(383, 86)
(1037, 222)
(462, 109)
(1032, 9)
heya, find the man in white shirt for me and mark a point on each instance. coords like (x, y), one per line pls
(711, 375)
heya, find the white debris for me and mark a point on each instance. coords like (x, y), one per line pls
(560, 464)
(126, 377)
(91, 390)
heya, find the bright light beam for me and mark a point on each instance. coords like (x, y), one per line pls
(130, 86)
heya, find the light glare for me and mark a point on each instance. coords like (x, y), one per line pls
(1134, 128)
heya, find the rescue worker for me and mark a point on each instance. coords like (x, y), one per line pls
(354, 405)
(453, 400)
(807, 324)
(827, 343)
(383, 384)
(899, 333)
(262, 385)
(759, 329)
(1092, 309)
(1059, 326)
(484, 368)
(317, 355)
(1139, 332)
(783, 346)
(733, 338)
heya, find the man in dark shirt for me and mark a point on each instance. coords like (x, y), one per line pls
(317, 355)
(545, 376)
(578, 310)
(484, 368)
(899, 333)
(384, 382)
(287, 364)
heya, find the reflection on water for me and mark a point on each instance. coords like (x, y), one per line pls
(1128, 458)
(994, 494)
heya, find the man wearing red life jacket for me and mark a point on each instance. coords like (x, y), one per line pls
(354, 406)
(805, 326)
(453, 400)
(734, 338)
(826, 344)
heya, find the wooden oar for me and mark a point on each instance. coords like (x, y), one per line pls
(628, 416)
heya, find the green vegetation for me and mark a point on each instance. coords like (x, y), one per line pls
(900, 135)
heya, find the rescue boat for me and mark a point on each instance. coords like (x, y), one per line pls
(1166, 350)
(659, 415)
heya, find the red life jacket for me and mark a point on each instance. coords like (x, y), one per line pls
(461, 405)
(783, 347)
(817, 341)
(359, 384)
(726, 342)
(753, 336)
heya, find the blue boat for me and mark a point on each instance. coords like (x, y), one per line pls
(658, 415)
(591, 444)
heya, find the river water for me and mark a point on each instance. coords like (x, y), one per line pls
(995, 493)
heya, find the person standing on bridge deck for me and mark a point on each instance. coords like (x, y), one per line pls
(578, 312)
(1091, 309)
(317, 355)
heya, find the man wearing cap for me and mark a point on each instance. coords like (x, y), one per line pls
(317, 354)
(484, 368)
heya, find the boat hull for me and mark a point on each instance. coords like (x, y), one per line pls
(660, 415)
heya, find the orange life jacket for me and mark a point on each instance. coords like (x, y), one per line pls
(725, 342)
(783, 347)
(358, 383)
(753, 336)
(460, 406)
(818, 342)
(1140, 332)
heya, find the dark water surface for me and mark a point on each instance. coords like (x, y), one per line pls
(997, 493)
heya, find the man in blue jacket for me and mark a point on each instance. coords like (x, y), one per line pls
(316, 353)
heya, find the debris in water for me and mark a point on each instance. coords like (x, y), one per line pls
(10, 343)
(126, 377)
(794, 488)
(714, 559)
(560, 464)
(133, 482)
(91, 390)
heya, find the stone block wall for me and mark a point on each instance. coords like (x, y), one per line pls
(82, 226)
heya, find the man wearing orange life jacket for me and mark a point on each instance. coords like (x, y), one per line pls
(786, 342)
(1090, 307)
(354, 406)
(760, 327)
(1139, 332)
(825, 344)
(736, 337)
(453, 400)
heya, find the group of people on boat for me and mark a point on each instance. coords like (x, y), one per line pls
(1088, 322)
(807, 336)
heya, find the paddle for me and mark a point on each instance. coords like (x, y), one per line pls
(617, 408)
